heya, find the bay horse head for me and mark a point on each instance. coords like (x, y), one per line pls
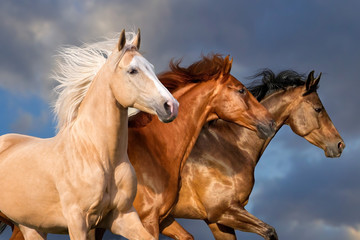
(310, 120)
(134, 83)
(233, 102)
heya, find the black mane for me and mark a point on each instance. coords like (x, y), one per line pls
(271, 83)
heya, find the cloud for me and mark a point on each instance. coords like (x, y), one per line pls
(27, 122)
(297, 190)
(314, 191)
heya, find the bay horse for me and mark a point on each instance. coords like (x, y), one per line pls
(218, 176)
(206, 91)
(82, 177)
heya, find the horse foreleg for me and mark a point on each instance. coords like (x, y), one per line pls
(151, 223)
(238, 218)
(77, 226)
(221, 232)
(31, 234)
(126, 224)
(16, 233)
(171, 228)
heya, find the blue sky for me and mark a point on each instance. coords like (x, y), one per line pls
(298, 191)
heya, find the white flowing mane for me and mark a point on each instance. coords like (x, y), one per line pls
(76, 67)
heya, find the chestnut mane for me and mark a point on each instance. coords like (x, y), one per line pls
(209, 67)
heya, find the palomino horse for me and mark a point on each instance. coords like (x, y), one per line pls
(225, 155)
(206, 91)
(82, 177)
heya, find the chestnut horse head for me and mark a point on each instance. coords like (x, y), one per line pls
(230, 100)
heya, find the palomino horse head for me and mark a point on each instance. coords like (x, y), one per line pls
(310, 120)
(233, 102)
(135, 84)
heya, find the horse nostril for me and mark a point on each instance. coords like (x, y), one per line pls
(341, 145)
(168, 107)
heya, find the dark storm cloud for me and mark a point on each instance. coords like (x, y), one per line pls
(298, 191)
(324, 190)
(315, 191)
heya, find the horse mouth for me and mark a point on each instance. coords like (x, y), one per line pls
(332, 154)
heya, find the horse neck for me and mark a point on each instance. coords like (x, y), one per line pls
(179, 136)
(101, 122)
(279, 104)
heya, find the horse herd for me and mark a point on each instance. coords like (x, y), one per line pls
(133, 174)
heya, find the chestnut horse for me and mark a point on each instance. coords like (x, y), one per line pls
(206, 91)
(82, 177)
(225, 155)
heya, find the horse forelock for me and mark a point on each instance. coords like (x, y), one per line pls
(75, 68)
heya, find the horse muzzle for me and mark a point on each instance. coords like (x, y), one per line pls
(265, 131)
(335, 150)
(169, 111)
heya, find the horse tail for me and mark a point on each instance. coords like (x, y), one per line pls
(2, 226)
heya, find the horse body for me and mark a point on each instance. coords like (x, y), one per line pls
(218, 176)
(82, 177)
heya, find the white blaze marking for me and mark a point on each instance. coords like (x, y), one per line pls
(148, 69)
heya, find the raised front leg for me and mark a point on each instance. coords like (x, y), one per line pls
(240, 219)
(126, 224)
(77, 227)
(151, 223)
(171, 228)
(221, 232)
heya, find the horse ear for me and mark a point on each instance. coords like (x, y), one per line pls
(137, 39)
(309, 80)
(228, 65)
(316, 81)
(122, 40)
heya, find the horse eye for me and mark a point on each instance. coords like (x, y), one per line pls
(133, 71)
(318, 109)
(242, 91)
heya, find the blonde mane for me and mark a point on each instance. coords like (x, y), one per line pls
(75, 69)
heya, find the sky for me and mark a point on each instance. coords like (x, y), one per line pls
(299, 191)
